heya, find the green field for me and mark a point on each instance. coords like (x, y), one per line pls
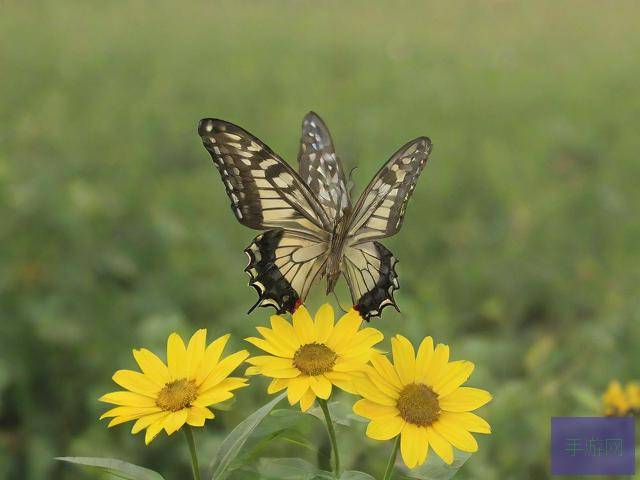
(520, 248)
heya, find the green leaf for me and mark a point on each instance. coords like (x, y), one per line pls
(354, 475)
(435, 469)
(234, 442)
(290, 469)
(115, 467)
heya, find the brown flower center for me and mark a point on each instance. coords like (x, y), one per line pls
(314, 359)
(177, 395)
(418, 404)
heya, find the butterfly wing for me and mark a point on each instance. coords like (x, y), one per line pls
(369, 269)
(368, 266)
(265, 191)
(321, 168)
(282, 267)
(381, 207)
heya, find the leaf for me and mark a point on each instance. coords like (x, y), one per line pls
(234, 442)
(115, 467)
(354, 475)
(341, 413)
(435, 468)
(289, 469)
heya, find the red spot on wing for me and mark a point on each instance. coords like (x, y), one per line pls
(296, 305)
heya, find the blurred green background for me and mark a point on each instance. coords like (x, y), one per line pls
(520, 248)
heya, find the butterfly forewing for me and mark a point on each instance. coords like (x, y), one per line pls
(265, 191)
(321, 168)
(380, 209)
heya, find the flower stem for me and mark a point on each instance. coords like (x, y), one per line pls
(392, 459)
(192, 450)
(332, 436)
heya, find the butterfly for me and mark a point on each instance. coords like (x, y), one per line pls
(311, 227)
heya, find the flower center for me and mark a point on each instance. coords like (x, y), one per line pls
(418, 404)
(177, 395)
(314, 359)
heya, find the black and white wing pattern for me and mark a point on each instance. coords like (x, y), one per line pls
(367, 265)
(380, 209)
(321, 168)
(265, 191)
(370, 271)
(267, 194)
(282, 266)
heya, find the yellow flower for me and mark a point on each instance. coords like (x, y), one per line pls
(614, 400)
(309, 356)
(421, 398)
(168, 396)
(632, 392)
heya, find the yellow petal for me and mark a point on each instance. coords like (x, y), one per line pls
(123, 419)
(211, 357)
(154, 429)
(368, 409)
(414, 444)
(297, 388)
(369, 391)
(423, 359)
(127, 411)
(176, 357)
(277, 373)
(198, 415)
(276, 385)
(384, 387)
(279, 343)
(455, 435)
(344, 331)
(386, 428)
(404, 359)
(128, 399)
(324, 323)
(440, 446)
(307, 400)
(464, 399)
(152, 366)
(147, 420)
(175, 421)
(456, 373)
(467, 420)
(285, 332)
(303, 325)
(437, 364)
(223, 369)
(320, 386)
(386, 370)
(270, 361)
(136, 382)
(227, 385)
(212, 397)
(362, 343)
(269, 347)
(195, 352)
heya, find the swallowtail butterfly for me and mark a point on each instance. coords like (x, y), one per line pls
(310, 227)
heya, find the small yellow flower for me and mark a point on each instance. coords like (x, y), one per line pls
(168, 396)
(614, 400)
(421, 398)
(632, 392)
(309, 356)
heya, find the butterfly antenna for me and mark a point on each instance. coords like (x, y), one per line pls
(338, 302)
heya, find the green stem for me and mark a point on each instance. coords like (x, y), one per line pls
(332, 436)
(392, 459)
(192, 450)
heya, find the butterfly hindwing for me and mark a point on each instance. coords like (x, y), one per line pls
(321, 168)
(380, 209)
(265, 191)
(369, 269)
(282, 267)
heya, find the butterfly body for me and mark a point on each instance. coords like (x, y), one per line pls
(311, 229)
